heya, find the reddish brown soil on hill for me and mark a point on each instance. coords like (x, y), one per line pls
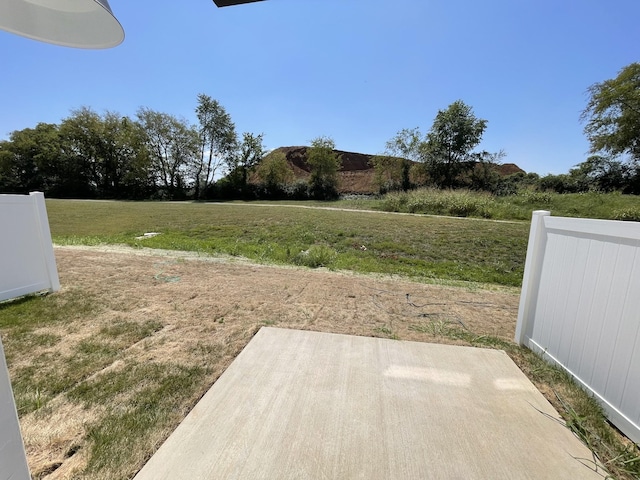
(357, 175)
(509, 169)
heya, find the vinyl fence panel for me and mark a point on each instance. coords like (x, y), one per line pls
(27, 262)
(13, 461)
(27, 265)
(580, 307)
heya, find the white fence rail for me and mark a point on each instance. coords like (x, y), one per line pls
(27, 263)
(580, 307)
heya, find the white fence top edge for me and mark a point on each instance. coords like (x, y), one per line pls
(589, 226)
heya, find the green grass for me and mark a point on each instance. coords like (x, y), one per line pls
(49, 375)
(118, 439)
(131, 332)
(26, 314)
(421, 248)
(24, 324)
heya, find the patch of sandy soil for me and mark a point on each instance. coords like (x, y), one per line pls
(209, 304)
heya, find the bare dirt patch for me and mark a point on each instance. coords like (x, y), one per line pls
(207, 309)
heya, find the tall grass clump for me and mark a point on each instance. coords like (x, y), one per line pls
(517, 206)
(455, 203)
(316, 256)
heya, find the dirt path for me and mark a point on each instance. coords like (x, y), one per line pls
(216, 304)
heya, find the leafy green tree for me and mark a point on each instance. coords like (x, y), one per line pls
(217, 139)
(562, 183)
(443, 155)
(108, 151)
(600, 173)
(324, 165)
(407, 143)
(391, 173)
(31, 160)
(612, 115)
(133, 173)
(248, 155)
(447, 151)
(80, 134)
(173, 147)
(484, 172)
(392, 169)
(274, 172)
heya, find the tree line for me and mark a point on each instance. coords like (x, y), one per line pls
(160, 156)
(445, 157)
(154, 156)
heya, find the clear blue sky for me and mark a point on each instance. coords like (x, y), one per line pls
(355, 70)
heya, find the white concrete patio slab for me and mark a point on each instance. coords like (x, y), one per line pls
(307, 405)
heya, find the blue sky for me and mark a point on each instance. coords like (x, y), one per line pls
(355, 70)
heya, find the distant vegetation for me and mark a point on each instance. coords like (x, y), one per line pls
(465, 203)
(160, 156)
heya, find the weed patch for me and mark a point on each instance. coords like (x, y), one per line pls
(316, 256)
(386, 331)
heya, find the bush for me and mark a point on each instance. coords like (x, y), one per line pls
(298, 190)
(394, 202)
(316, 256)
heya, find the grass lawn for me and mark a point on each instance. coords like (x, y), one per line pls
(422, 248)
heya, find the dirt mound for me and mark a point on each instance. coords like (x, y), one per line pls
(357, 174)
(351, 161)
(507, 169)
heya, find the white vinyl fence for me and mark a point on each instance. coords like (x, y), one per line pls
(13, 461)
(27, 263)
(580, 307)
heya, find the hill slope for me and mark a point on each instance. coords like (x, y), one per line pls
(357, 174)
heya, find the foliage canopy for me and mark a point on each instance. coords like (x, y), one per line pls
(324, 164)
(612, 114)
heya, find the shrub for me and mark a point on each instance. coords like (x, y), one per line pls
(316, 256)
(394, 202)
(298, 190)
